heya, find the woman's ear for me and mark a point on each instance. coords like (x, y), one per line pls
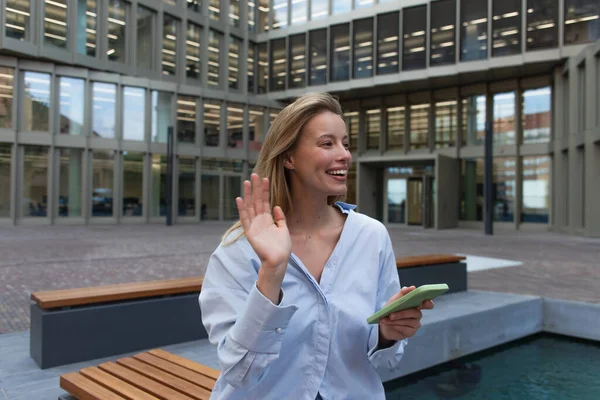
(287, 162)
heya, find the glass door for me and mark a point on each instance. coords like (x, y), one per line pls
(396, 200)
(415, 201)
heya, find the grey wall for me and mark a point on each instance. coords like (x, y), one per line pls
(447, 172)
(368, 190)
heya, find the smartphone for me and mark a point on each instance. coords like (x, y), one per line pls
(410, 300)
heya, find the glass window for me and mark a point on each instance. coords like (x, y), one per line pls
(280, 13)
(145, 33)
(352, 119)
(415, 37)
(215, 44)
(582, 21)
(231, 190)
(186, 119)
(363, 48)
(299, 11)
(133, 184)
(234, 13)
(419, 126)
(297, 61)
(209, 208)
(104, 112)
(134, 115)
(396, 120)
(87, 22)
(473, 120)
(278, 65)
(473, 33)
(472, 190)
(504, 188)
(340, 52)
(263, 15)
(319, 9)
(252, 15)
(537, 118)
(5, 179)
(504, 118)
(443, 32)
(212, 122)
(542, 26)
(36, 104)
(214, 10)
(373, 128)
(194, 5)
(35, 182)
(341, 6)
(70, 178)
(536, 189)
(251, 66)
(388, 31)
(7, 76)
(117, 30)
(506, 27)
(351, 185)
(159, 185)
(103, 164)
(235, 124)
(263, 68)
(71, 105)
(169, 46)
(234, 62)
(192, 56)
(186, 205)
(18, 15)
(363, 3)
(56, 28)
(318, 57)
(161, 116)
(445, 124)
(171, 2)
(257, 128)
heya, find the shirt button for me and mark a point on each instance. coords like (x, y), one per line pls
(278, 330)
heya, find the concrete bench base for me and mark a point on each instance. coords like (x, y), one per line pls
(453, 274)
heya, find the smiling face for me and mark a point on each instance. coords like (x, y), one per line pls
(320, 160)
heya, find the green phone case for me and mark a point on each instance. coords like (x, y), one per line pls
(411, 300)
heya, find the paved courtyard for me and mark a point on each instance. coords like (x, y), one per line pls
(56, 257)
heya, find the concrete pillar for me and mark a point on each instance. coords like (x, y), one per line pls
(470, 185)
(75, 181)
(155, 186)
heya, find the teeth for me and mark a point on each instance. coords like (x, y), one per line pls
(338, 172)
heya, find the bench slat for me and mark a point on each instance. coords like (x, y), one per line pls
(166, 379)
(125, 291)
(140, 381)
(174, 369)
(415, 261)
(86, 389)
(113, 383)
(186, 363)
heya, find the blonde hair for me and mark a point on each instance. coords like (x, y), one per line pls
(281, 138)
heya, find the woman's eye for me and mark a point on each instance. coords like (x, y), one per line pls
(326, 143)
(346, 145)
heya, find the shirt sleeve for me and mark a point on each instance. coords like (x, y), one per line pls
(246, 327)
(388, 285)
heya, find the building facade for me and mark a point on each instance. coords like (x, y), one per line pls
(89, 89)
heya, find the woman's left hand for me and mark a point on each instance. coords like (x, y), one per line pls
(402, 324)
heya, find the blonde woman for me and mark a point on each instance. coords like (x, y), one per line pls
(287, 293)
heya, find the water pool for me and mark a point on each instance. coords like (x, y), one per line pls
(539, 367)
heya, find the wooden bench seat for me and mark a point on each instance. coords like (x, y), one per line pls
(156, 374)
(433, 268)
(428, 259)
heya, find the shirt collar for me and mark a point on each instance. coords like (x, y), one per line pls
(345, 207)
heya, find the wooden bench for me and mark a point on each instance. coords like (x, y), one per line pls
(156, 374)
(81, 324)
(433, 268)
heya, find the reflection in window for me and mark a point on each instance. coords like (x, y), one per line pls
(215, 44)
(351, 118)
(536, 189)
(388, 31)
(340, 52)
(186, 205)
(443, 32)
(235, 124)
(209, 206)
(471, 190)
(504, 118)
(299, 12)
(159, 185)
(192, 54)
(194, 5)
(145, 33)
(6, 96)
(234, 13)
(278, 65)
(319, 9)
(251, 66)
(87, 31)
(18, 15)
(280, 13)
(263, 68)
(256, 128)
(212, 122)
(161, 116)
(169, 45)
(133, 184)
(5, 179)
(473, 120)
(363, 48)
(117, 21)
(186, 119)
(318, 57)
(542, 26)
(134, 118)
(363, 3)
(56, 28)
(104, 112)
(582, 21)
(36, 104)
(297, 59)
(445, 124)
(506, 27)
(395, 128)
(473, 34)
(70, 114)
(341, 6)
(171, 2)
(103, 165)
(34, 196)
(252, 15)
(537, 118)
(214, 10)
(263, 15)
(415, 37)
(419, 126)
(373, 128)
(504, 178)
(70, 180)
(232, 189)
(234, 62)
